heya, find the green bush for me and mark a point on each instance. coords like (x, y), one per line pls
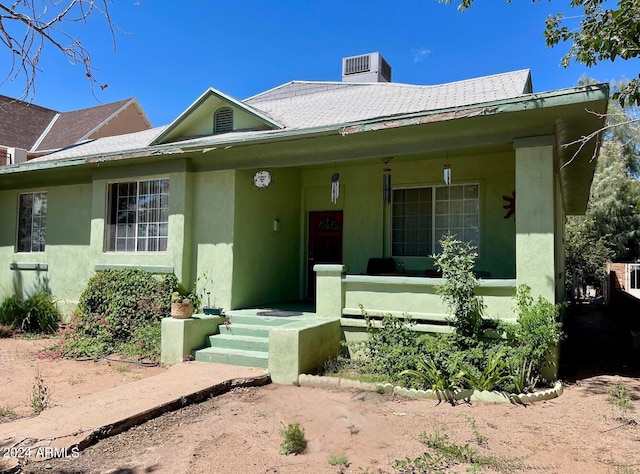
(120, 311)
(294, 441)
(35, 314)
(456, 262)
(538, 331)
(389, 349)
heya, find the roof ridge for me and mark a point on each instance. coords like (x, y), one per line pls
(273, 92)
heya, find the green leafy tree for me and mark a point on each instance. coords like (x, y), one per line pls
(604, 31)
(586, 254)
(610, 229)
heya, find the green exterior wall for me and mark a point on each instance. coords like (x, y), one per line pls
(67, 247)
(266, 265)
(213, 233)
(366, 221)
(536, 216)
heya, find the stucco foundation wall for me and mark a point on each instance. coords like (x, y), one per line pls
(266, 265)
(302, 348)
(180, 337)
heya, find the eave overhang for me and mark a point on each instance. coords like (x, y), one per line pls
(569, 115)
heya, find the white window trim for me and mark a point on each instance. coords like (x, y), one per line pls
(17, 236)
(107, 215)
(433, 216)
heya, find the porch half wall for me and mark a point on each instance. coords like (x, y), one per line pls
(344, 296)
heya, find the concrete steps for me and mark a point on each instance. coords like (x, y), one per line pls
(233, 357)
(243, 341)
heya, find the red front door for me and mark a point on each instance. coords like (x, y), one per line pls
(325, 243)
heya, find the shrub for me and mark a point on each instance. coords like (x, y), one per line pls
(389, 349)
(456, 262)
(35, 314)
(120, 310)
(538, 331)
(294, 441)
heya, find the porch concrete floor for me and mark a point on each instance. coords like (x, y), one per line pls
(306, 308)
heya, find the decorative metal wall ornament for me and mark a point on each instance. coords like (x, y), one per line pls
(335, 187)
(447, 175)
(510, 206)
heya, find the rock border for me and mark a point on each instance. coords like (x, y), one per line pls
(324, 381)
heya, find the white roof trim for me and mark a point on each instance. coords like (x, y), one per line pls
(46, 131)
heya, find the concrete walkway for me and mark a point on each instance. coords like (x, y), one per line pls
(67, 428)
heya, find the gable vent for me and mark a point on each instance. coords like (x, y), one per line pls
(370, 67)
(223, 120)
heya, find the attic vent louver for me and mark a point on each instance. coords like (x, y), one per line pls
(223, 120)
(366, 68)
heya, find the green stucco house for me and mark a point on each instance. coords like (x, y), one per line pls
(306, 191)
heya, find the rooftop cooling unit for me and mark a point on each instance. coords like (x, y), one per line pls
(370, 67)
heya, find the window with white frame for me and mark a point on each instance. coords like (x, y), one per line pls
(138, 216)
(422, 216)
(32, 222)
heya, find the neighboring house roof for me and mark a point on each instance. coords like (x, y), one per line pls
(39, 130)
(22, 123)
(78, 125)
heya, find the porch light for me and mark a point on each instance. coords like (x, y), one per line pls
(447, 175)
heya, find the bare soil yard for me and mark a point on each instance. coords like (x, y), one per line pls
(360, 432)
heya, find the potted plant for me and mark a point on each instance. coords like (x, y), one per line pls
(181, 306)
(211, 310)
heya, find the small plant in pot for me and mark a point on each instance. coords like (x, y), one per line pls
(181, 306)
(211, 310)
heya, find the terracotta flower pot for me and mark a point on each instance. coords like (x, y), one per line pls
(181, 310)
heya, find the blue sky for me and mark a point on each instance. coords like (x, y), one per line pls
(168, 53)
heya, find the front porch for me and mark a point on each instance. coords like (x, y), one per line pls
(292, 338)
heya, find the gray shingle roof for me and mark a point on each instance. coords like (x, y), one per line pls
(301, 105)
(129, 141)
(316, 104)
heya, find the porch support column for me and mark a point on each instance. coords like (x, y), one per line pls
(329, 294)
(535, 212)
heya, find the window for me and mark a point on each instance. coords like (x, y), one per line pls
(138, 216)
(422, 216)
(32, 222)
(223, 120)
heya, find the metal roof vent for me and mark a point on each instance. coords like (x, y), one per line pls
(370, 67)
(223, 120)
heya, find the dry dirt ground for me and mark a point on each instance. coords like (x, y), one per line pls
(239, 432)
